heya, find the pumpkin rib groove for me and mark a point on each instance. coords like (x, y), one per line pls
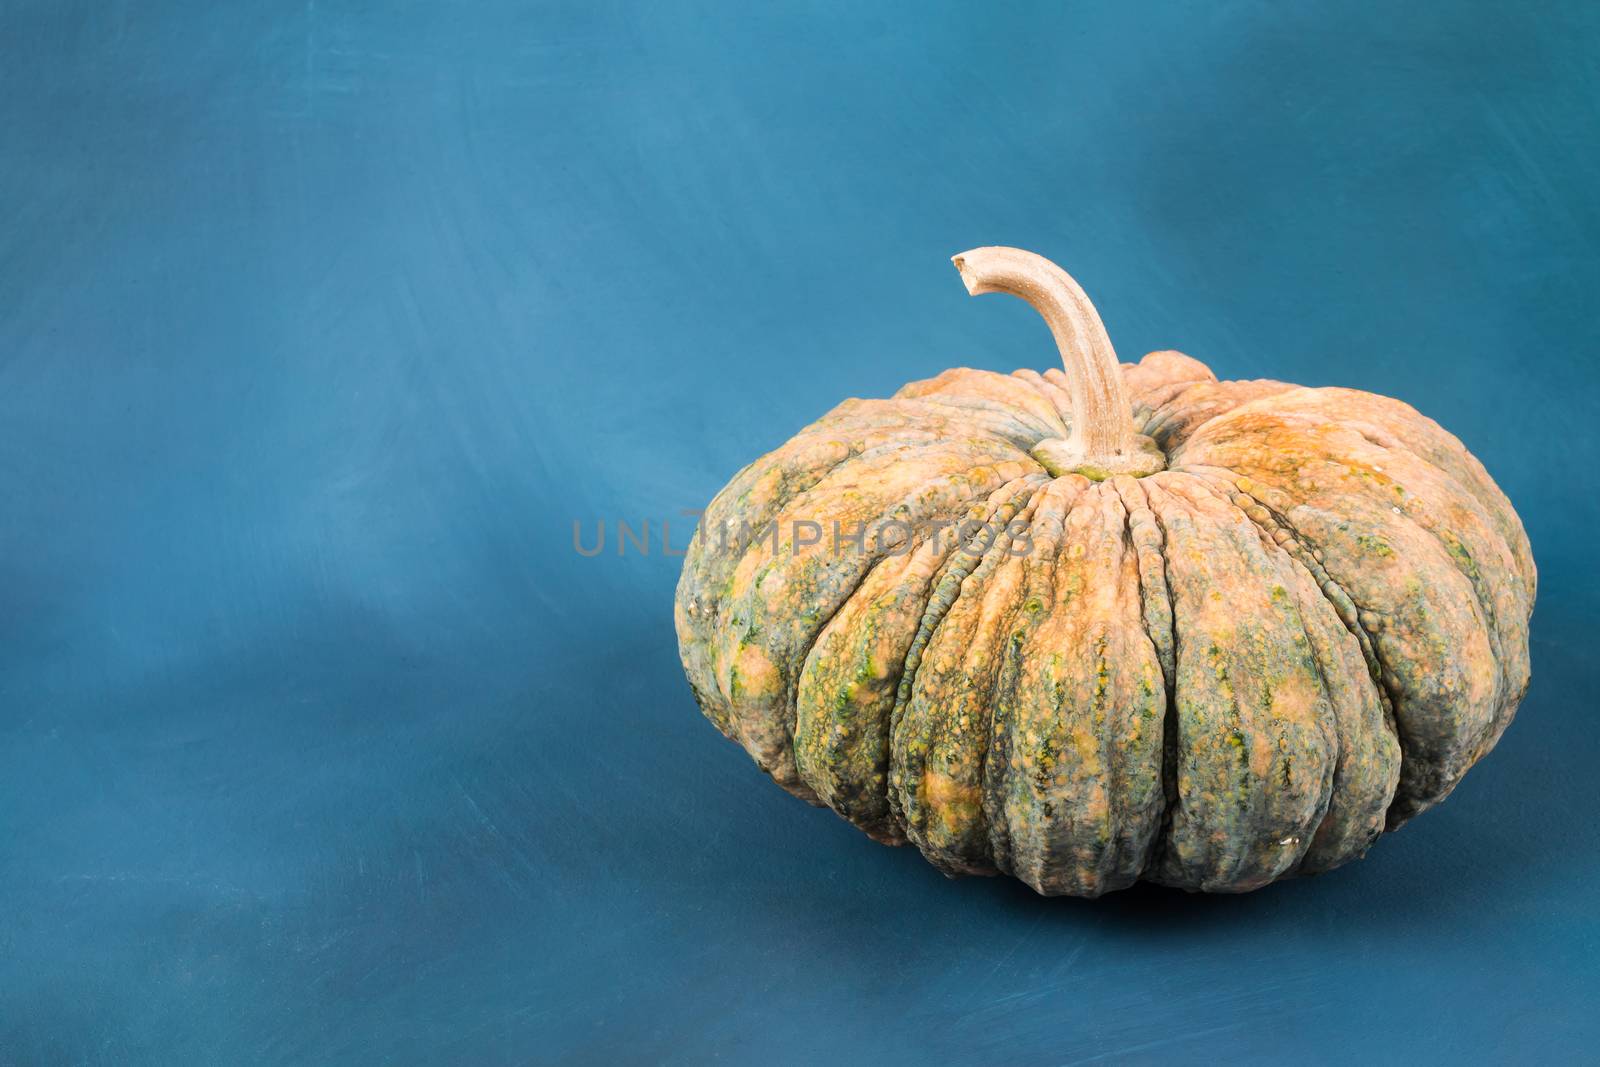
(948, 584)
(1169, 779)
(1460, 554)
(722, 565)
(1039, 568)
(766, 716)
(1339, 785)
(1329, 729)
(849, 682)
(1349, 612)
(1495, 624)
(939, 789)
(697, 650)
(1148, 571)
(1485, 545)
(834, 721)
(1329, 721)
(1163, 856)
(1255, 749)
(895, 509)
(948, 587)
(1441, 771)
(1471, 499)
(1030, 818)
(1337, 789)
(1160, 628)
(1158, 857)
(1145, 535)
(1271, 522)
(1085, 802)
(1439, 779)
(1169, 729)
(1408, 430)
(789, 713)
(1348, 783)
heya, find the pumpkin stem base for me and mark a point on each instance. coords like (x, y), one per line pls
(1059, 456)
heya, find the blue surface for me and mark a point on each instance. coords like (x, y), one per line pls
(320, 324)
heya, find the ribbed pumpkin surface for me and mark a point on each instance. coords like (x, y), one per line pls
(1243, 667)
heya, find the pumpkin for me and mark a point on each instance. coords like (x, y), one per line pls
(1112, 622)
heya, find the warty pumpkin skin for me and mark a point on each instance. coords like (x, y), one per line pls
(1129, 621)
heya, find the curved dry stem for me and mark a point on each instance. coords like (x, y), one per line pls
(1102, 432)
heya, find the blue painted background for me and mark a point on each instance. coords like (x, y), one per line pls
(321, 323)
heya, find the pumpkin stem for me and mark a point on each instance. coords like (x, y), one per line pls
(1102, 438)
